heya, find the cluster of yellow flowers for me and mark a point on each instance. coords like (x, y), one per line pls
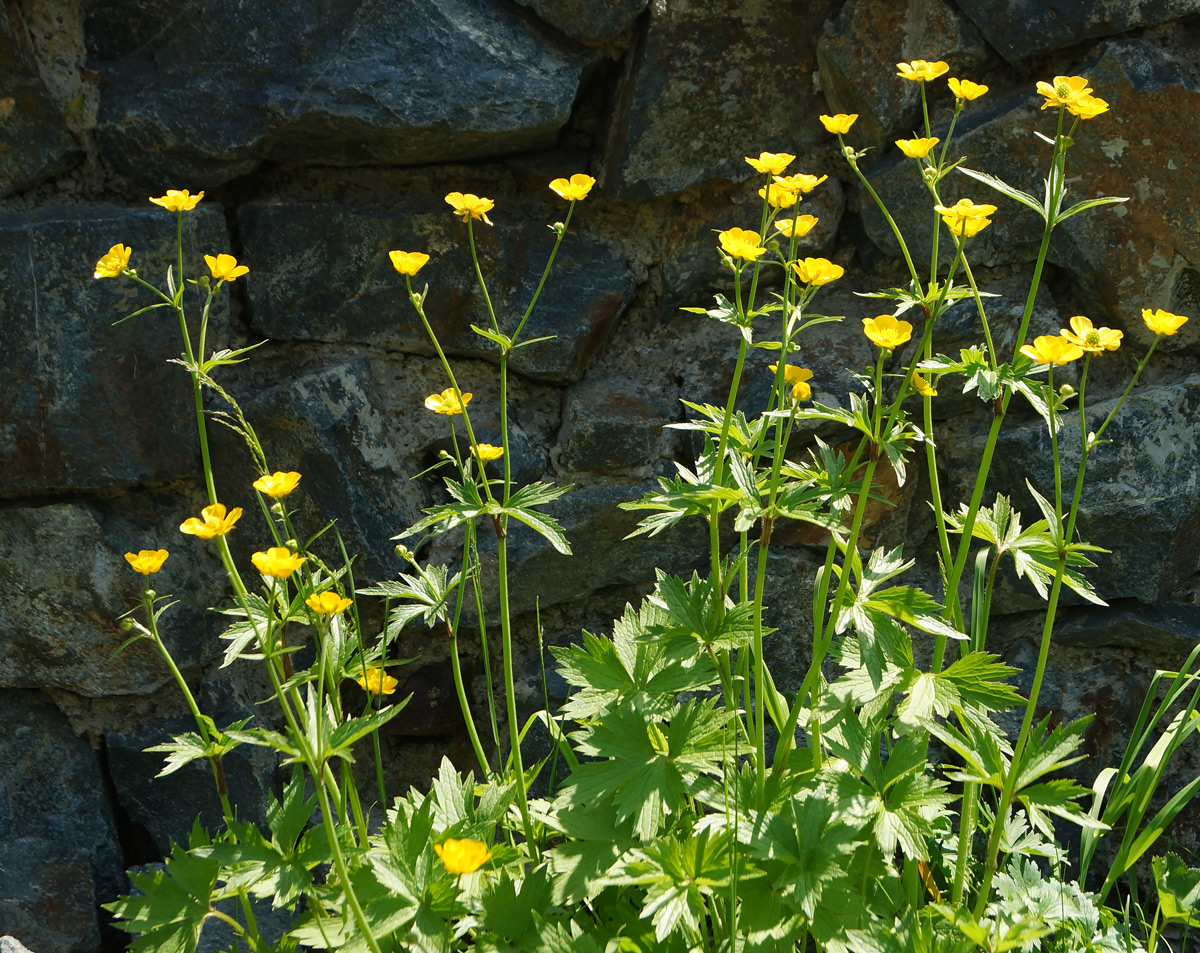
(115, 262)
(1084, 338)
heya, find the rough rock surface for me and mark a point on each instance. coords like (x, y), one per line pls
(868, 38)
(58, 846)
(588, 21)
(198, 95)
(358, 297)
(1024, 28)
(85, 404)
(696, 97)
(34, 141)
(58, 624)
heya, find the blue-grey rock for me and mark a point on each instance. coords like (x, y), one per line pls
(48, 896)
(1140, 493)
(1173, 627)
(166, 807)
(354, 295)
(1021, 29)
(66, 592)
(85, 404)
(52, 796)
(588, 21)
(859, 50)
(610, 424)
(200, 94)
(710, 82)
(34, 141)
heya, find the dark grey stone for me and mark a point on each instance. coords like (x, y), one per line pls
(859, 50)
(1024, 28)
(1139, 497)
(588, 21)
(34, 141)
(52, 793)
(713, 81)
(611, 424)
(199, 94)
(86, 404)
(356, 296)
(1162, 629)
(166, 807)
(48, 896)
(76, 584)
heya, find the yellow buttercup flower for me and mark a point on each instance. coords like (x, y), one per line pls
(779, 196)
(799, 226)
(922, 70)
(575, 189)
(485, 451)
(965, 89)
(447, 402)
(462, 856)
(327, 603)
(178, 200)
(1163, 322)
(887, 331)
(922, 386)
(817, 271)
(1088, 107)
(1064, 91)
(771, 163)
(114, 262)
(378, 682)
(741, 243)
(798, 377)
(965, 218)
(147, 561)
(277, 561)
(800, 182)
(1052, 349)
(917, 148)
(213, 521)
(470, 206)
(839, 124)
(408, 262)
(277, 484)
(1091, 339)
(225, 267)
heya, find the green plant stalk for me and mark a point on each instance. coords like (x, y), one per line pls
(848, 154)
(559, 233)
(1007, 792)
(215, 762)
(463, 704)
(514, 736)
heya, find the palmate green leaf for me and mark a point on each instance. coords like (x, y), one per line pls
(350, 730)
(677, 874)
(427, 594)
(979, 678)
(648, 767)
(187, 747)
(630, 666)
(510, 912)
(804, 848)
(996, 936)
(256, 617)
(1178, 890)
(1050, 750)
(174, 904)
(697, 620)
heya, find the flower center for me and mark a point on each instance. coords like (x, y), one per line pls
(1092, 337)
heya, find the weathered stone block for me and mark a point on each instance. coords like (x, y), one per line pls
(86, 404)
(859, 50)
(588, 21)
(34, 141)
(710, 82)
(59, 624)
(1021, 29)
(56, 829)
(201, 97)
(611, 425)
(354, 295)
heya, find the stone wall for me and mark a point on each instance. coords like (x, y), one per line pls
(325, 134)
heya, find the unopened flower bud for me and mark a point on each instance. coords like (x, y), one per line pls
(126, 625)
(1066, 391)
